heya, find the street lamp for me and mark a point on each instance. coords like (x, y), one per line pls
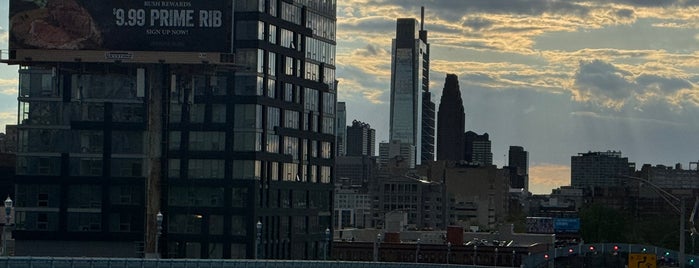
(377, 245)
(475, 254)
(159, 221)
(496, 256)
(259, 239)
(8, 211)
(327, 241)
(448, 251)
(417, 250)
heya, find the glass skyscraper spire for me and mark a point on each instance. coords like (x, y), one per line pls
(412, 120)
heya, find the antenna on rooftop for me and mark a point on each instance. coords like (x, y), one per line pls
(422, 18)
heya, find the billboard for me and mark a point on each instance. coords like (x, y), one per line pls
(121, 25)
(566, 225)
(540, 225)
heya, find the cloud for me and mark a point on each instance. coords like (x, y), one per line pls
(9, 91)
(9, 82)
(477, 23)
(602, 82)
(7, 118)
(544, 177)
(609, 86)
(349, 89)
(9, 86)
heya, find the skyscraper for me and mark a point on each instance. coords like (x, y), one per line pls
(518, 159)
(428, 128)
(409, 83)
(451, 121)
(477, 149)
(403, 152)
(341, 127)
(603, 169)
(361, 139)
(237, 157)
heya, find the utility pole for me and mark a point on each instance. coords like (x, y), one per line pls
(157, 98)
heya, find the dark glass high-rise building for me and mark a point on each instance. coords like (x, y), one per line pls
(451, 122)
(428, 128)
(220, 136)
(477, 149)
(341, 128)
(361, 139)
(518, 159)
(412, 117)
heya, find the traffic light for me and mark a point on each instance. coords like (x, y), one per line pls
(616, 250)
(570, 250)
(546, 257)
(592, 248)
(644, 249)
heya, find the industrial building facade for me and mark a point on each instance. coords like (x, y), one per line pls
(216, 141)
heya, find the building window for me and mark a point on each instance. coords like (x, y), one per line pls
(215, 226)
(273, 119)
(271, 88)
(129, 142)
(247, 141)
(207, 141)
(238, 225)
(274, 171)
(272, 34)
(272, 143)
(272, 64)
(84, 222)
(196, 113)
(325, 150)
(292, 147)
(185, 223)
(291, 119)
(205, 169)
(248, 116)
(247, 170)
(239, 197)
(291, 172)
(311, 99)
(127, 167)
(218, 113)
(173, 168)
(196, 196)
(324, 174)
(85, 166)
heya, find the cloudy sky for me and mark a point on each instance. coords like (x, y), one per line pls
(557, 77)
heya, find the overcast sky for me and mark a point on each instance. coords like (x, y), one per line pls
(557, 77)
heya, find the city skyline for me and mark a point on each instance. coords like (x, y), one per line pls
(557, 77)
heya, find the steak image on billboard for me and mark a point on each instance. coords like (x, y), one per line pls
(125, 25)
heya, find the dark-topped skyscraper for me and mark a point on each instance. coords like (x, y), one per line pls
(341, 127)
(477, 149)
(451, 120)
(518, 159)
(361, 139)
(411, 120)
